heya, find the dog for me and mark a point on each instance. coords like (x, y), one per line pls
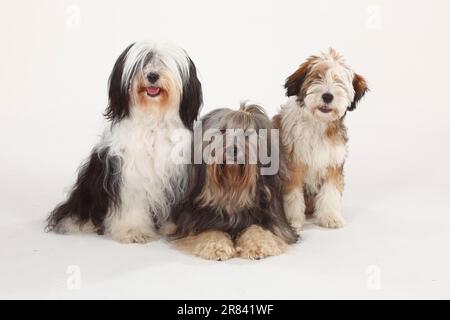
(233, 207)
(130, 183)
(314, 137)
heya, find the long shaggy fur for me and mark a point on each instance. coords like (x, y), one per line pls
(231, 198)
(314, 137)
(130, 183)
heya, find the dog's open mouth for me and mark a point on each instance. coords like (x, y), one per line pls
(325, 109)
(153, 91)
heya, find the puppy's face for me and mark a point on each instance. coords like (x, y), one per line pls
(326, 87)
(328, 90)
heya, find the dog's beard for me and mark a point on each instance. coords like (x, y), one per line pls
(325, 112)
(229, 186)
(157, 97)
(236, 176)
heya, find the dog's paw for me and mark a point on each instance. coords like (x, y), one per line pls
(297, 224)
(256, 243)
(216, 250)
(210, 245)
(135, 236)
(332, 221)
(168, 228)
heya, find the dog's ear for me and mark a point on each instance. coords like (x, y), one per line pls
(294, 81)
(360, 87)
(192, 98)
(119, 94)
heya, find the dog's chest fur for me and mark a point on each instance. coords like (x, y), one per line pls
(315, 145)
(149, 171)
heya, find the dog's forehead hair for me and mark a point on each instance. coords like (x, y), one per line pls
(148, 59)
(237, 120)
(153, 61)
(326, 67)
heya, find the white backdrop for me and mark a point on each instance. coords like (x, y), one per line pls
(55, 60)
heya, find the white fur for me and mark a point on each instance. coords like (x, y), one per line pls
(305, 135)
(329, 207)
(170, 57)
(151, 178)
(151, 181)
(146, 143)
(70, 225)
(294, 207)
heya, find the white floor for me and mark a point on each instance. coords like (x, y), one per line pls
(394, 246)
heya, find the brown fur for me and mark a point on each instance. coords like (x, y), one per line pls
(360, 86)
(210, 245)
(276, 120)
(337, 132)
(310, 203)
(144, 101)
(336, 176)
(297, 85)
(296, 175)
(228, 186)
(256, 243)
(294, 81)
(157, 105)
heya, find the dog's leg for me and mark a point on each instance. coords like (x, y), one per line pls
(257, 243)
(293, 198)
(210, 245)
(132, 221)
(294, 206)
(167, 228)
(329, 200)
(131, 227)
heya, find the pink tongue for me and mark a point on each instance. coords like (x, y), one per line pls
(153, 91)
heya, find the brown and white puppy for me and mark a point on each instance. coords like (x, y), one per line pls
(314, 137)
(234, 207)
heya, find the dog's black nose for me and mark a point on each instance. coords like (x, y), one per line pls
(327, 97)
(153, 77)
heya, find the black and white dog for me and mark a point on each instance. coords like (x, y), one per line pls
(134, 176)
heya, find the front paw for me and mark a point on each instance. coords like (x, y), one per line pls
(220, 250)
(134, 236)
(209, 245)
(256, 243)
(332, 221)
(297, 224)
